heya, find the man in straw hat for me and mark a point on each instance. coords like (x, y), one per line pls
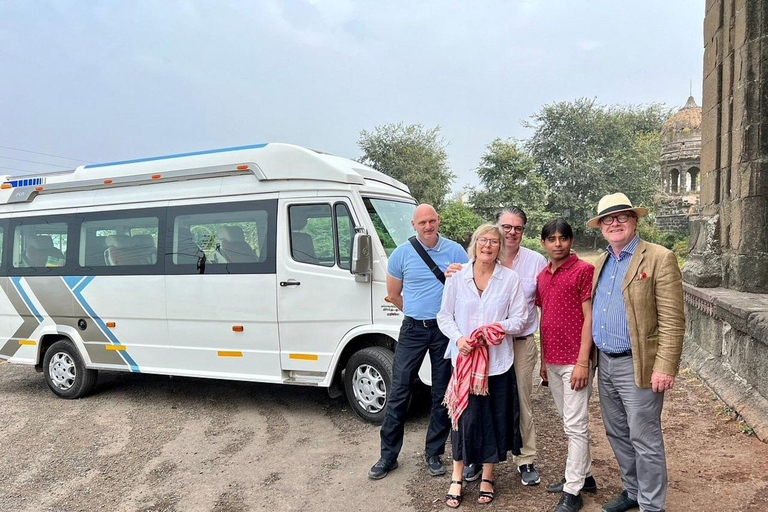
(637, 327)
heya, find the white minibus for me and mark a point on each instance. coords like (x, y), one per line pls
(263, 263)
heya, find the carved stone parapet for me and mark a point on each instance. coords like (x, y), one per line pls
(704, 266)
(746, 312)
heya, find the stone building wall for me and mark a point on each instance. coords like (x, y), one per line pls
(672, 214)
(726, 276)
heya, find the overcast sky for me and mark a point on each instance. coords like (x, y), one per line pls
(108, 80)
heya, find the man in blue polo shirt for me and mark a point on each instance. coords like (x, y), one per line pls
(414, 288)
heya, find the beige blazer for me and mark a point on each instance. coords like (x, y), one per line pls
(653, 296)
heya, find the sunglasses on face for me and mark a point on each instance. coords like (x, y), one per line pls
(509, 227)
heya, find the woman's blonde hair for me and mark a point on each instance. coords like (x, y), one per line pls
(486, 229)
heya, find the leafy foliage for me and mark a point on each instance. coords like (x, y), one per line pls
(584, 150)
(458, 221)
(411, 154)
(508, 177)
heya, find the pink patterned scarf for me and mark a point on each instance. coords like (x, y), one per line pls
(470, 375)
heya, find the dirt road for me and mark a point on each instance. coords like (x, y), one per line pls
(146, 443)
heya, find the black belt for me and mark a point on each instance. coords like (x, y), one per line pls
(426, 323)
(626, 353)
(521, 338)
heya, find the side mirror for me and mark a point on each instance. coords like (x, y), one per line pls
(361, 256)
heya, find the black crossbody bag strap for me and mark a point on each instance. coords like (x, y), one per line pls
(429, 261)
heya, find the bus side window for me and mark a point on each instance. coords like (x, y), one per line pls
(40, 245)
(345, 232)
(312, 234)
(223, 238)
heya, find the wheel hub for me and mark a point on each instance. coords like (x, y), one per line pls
(369, 388)
(62, 370)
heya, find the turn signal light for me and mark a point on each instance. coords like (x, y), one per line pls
(237, 328)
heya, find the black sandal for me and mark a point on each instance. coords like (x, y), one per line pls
(455, 497)
(486, 494)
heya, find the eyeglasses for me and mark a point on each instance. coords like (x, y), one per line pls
(622, 218)
(509, 227)
(483, 241)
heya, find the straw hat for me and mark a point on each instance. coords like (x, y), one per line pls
(614, 203)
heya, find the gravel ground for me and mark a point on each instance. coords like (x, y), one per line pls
(149, 443)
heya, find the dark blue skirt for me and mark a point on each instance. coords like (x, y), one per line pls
(490, 425)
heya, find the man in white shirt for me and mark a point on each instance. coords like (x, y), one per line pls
(528, 264)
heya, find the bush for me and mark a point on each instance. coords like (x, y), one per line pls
(650, 233)
(533, 244)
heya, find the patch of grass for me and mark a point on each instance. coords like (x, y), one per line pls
(745, 429)
(725, 410)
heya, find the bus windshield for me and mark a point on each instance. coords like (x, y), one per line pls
(392, 220)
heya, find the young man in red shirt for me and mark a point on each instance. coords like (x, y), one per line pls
(564, 290)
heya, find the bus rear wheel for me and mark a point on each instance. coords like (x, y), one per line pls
(65, 371)
(367, 379)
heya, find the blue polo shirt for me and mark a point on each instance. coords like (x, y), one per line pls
(610, 330)
(422, 292)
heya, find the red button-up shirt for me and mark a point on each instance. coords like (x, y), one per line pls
(560, 295)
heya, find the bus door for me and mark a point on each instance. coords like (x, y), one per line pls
(319, 300)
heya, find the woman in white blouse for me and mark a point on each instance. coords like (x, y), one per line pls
(483, 293)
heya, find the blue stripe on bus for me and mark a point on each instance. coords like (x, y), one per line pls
(17, 283)
(179, 155)
(77, 290)
(28, 182)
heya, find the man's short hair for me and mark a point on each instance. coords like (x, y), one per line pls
(514, 210)
(555, 225)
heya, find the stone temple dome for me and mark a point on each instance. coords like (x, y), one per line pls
(681, 133)
(680, 167)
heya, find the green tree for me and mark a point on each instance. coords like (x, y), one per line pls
(458, 221)
(411, 154)
(584, 150)
(508, 178)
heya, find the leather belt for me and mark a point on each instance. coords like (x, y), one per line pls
(626, 353)
(521, 338)
(431, 322)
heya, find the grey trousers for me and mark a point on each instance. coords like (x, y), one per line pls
(632, 418)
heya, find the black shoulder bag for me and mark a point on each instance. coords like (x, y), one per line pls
(429, 261)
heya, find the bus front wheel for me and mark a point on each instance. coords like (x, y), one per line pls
(65, 371)
(367, 379)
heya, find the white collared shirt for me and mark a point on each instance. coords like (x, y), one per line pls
(463, 310)
(528, 264)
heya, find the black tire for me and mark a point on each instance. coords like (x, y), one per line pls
(65, 372)
(367, 379)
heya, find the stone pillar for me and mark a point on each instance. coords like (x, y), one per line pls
(726, 275)
(730, 229)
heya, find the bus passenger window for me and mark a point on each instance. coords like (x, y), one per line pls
(220, 239)
(40, 245)
(117, 242)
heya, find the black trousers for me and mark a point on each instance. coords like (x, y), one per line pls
(414, 342)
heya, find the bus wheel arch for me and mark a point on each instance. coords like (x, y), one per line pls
(64, 370)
